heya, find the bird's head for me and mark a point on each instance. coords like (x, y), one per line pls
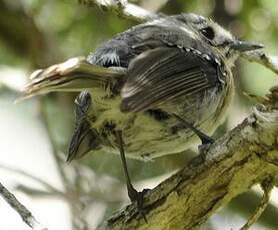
(216, 36)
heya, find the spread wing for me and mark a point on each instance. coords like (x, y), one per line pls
(162, 74)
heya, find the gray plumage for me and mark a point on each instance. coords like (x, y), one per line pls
(139, 79)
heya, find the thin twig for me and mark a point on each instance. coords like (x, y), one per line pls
(269, 61)
(267, 188)
(122, 8)
(25, 214)
(38, 193)
(31, 176)
(57, 158)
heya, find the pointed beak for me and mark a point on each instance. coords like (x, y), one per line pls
(243, 46)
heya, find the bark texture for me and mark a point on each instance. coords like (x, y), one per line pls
(243, 157)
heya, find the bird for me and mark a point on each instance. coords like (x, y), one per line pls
(156, 89)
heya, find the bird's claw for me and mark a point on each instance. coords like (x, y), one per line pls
(138, 198)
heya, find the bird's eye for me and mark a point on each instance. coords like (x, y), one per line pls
(208, 32)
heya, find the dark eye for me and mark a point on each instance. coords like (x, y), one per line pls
(208, 32)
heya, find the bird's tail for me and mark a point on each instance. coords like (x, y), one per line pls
(75, 74)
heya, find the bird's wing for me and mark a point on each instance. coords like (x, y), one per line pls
(162, 74)
(75, 74)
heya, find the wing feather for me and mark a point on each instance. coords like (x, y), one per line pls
(162, 74)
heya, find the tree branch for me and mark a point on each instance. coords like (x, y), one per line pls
(267, 187)
(269, 61)
(245, 156)
(122, 8)
(31, 176)
(25, 214)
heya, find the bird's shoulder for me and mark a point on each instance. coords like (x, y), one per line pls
(125, 46)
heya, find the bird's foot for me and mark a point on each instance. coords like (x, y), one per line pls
(203, 148)
(138, 198)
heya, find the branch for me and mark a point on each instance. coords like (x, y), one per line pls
(31, 176)
(25, 214)
(122, 8)
(269, 61)
(245, 156)
(267, 187)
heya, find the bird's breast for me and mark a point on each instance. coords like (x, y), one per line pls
(151, 133)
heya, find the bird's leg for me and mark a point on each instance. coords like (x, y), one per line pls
(133, 194)
(205, 139)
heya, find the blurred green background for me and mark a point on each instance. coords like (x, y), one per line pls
(38, 33)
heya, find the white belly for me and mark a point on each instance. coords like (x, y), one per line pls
(146, 138)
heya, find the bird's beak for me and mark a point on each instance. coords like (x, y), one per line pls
(243, 46)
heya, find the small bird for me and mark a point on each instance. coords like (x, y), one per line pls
(152, 90)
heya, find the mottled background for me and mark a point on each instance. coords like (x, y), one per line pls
(34, 134)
